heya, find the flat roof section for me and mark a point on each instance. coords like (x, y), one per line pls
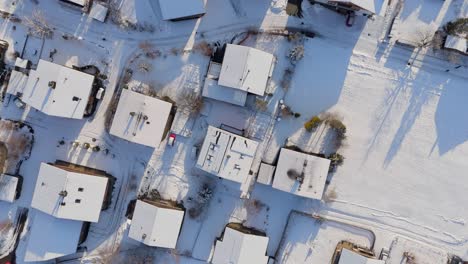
(180, 9)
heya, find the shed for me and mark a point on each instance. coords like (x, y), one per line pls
(50, 238)
(265, 173)
(68, 194)
(156, 224)
(350, 257)
(175, 10)
(9, 186)
(58, 90)
(98, 12)
(237, 247)
(226, 155)
(301, 174)
(140, 119)
(456, 43)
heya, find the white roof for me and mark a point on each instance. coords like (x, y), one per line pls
(349, 257)
(78, 2)
(21, 63)
(71, 93)
(212, 90)
(226, 155)
(240, 248)
(134, 128)
(98, 12)
(265, 173)
(176, 9)
(314, 170)
(84, 194)
(246, 69)
(368, 5)
(51, 238)
(457, 43)
(8, 186)
(17, 82)
(156, 226)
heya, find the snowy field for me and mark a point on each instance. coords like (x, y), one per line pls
(405, 152)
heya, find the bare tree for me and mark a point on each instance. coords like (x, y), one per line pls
(423, 36)
(38, 25)
(192, 102)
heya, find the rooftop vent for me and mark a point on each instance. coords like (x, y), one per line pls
(52, 84)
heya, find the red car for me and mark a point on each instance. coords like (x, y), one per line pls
(170, 141)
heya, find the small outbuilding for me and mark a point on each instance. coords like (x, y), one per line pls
(226, 155)
(71, 191)
(99, 12)
(350, 257)
(367, 7)
(456, 43)
(55, 90)
(9, 187)
(301, 174)
(176, 10)
(240, 245)
(50, 237)
(141, 119)
(157, 223)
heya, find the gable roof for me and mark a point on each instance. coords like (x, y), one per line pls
(141, 119)
(246, 69)
(50, 237)
(82, 194)
(313, 169)
(156, 226)
(240, 248)
(226, 155)
(70, 95)
(177, 9)
(456, 43)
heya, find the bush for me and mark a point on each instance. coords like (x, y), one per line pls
(459, 26)
(338, 126)
(336, 159)
(313, 123)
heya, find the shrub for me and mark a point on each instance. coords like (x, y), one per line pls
(336, 159)
(459, 26)
(313, 123)
(338, 126)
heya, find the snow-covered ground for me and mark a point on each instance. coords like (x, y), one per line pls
(404, 168)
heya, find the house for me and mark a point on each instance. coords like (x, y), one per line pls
(141, 119)
(99, 12)
(364, 7)
(156, 223)
(55, 90)
(226, 155)
(301, 174)
(240, 245)
(350, 257)
(243, 70)
(50, 237)
(70, 191)
(176, 10)
(456, 43)
(10, 187)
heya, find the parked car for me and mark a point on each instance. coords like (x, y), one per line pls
(20, 104)
(171, 140)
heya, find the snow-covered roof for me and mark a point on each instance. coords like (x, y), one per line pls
(213, 90)
(140, 119)
(456, 43)
(179, 9)
(313, 169)
(246, 69)
(69, 195)
(21, 63)
(226, 155)
(265, 173)
(240, 248)
(8, 185)
(17, 82)
(98, 12)
(156, 226)
(368, 5)
(349, 257)
(51, 238)
(77, 2)
(70, 95)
